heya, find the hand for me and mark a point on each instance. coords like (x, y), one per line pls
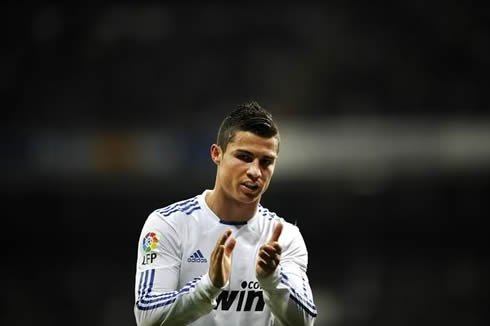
(220, 262)
(269, 254)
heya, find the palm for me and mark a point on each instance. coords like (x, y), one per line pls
(220, 265)
(259, 270)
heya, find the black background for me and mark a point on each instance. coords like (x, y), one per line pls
(410, 252)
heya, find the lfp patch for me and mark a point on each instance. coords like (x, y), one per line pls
(151, 242)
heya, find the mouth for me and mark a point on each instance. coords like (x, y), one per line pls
(250, 186)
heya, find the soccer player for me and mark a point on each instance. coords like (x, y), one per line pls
(221, 258)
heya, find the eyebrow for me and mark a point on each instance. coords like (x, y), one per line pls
(243, 151)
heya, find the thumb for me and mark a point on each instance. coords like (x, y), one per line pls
(277, 233)
(229, 245)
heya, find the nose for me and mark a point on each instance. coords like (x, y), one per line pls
(253, 171)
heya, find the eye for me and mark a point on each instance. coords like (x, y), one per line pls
(244, 157)
(266, 162)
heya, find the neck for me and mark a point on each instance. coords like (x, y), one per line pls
(229, 209)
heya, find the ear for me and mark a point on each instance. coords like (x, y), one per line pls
(216, 154)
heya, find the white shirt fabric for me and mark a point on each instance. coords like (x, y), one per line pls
(173, 287)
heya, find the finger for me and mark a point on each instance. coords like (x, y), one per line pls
(264, 255)
(277, 233)
(270, 256)
(261, 263)
(229, 245)
(222, 239)
(265, 266)
(215, 268)
(219, 254)
(272, 250)
(220, 242)
(277, 247)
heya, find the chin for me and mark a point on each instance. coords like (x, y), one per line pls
(250, 199)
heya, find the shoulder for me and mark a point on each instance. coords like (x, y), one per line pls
(174, 214)
(289, 232)
(291, 239)
(185, 207)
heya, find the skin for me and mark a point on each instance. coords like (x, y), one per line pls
(244, 172)
(269, 254)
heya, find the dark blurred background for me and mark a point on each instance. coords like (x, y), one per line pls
(109, 112)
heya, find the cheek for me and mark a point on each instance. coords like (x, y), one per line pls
(235, 167)
(230, 169)
(269, 172)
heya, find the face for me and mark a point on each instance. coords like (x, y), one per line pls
(246, 167)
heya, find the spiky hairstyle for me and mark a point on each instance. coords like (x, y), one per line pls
(247, 117)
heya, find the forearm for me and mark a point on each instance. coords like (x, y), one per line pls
(180, 307)
(288, 297)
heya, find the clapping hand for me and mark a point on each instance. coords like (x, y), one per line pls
(269, 254)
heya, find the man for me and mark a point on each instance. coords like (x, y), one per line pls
(221, 258)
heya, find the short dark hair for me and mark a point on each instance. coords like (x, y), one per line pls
(247, 117)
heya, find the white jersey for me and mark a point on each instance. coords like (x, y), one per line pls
(172, 282)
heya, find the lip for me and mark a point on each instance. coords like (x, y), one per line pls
(246, 187)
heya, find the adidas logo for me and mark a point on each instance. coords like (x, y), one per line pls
(197, 257)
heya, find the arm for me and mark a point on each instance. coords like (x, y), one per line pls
(283, 278)
(158, 306)
(158, 301)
